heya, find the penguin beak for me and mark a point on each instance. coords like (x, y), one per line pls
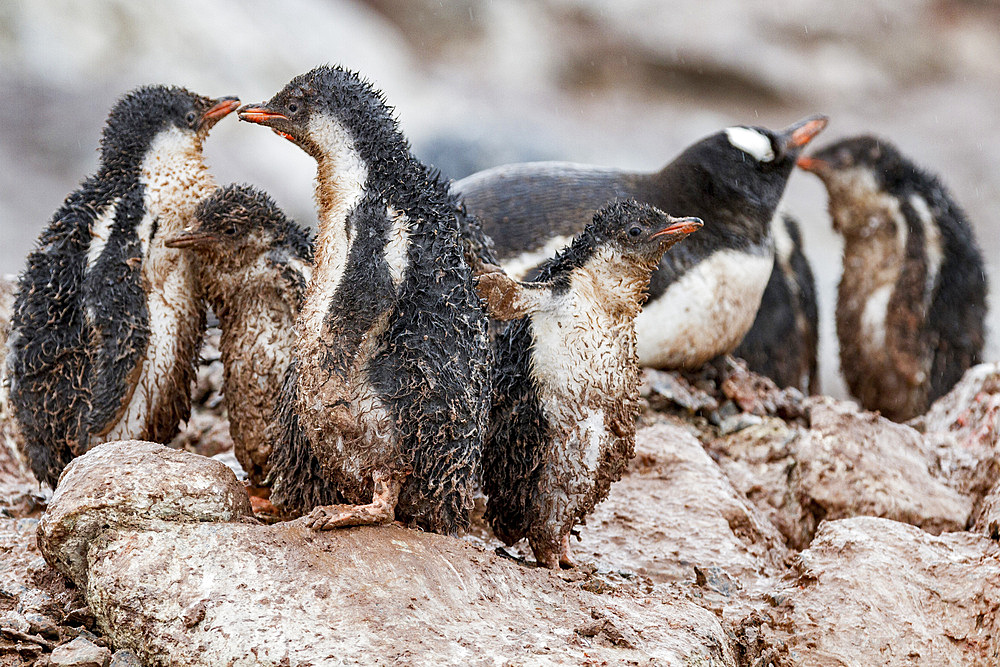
(679, 227)
(801, 133)
(263, 116)
(189, 238)
(222, 107)
(812, 164)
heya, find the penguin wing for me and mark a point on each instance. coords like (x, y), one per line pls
(508, 299)
(117, 315)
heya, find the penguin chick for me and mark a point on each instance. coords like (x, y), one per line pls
(566, 378)
(392, 386)
(703, 298)
(107, 319)
(253, 264)
(912, 298)
(783, 342)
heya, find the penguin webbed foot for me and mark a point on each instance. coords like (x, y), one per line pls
(553, 554)
(381, 510)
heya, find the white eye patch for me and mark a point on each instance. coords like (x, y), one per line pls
(751, 142)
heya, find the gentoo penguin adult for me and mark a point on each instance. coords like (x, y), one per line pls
(702, 298)
(392, 389)
(107, 319)
(912, 297)
(253, 264)
(566, 387)
(784, 339)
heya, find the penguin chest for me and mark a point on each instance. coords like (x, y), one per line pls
(583, 364)
(705, 312)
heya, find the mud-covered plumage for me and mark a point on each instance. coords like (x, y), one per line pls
(784, 339)
(566, 377)
(733, 180)
(106, 321)
(912, 298)
(390, 387)
(253, 264)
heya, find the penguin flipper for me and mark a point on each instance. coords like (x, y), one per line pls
(508, 299)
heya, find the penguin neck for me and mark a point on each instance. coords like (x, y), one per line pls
(614, 281)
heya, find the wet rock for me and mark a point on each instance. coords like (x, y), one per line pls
(970, 412)
(851, 463)
(987, 518)
(130, 484)
(872, 591)
(80, 653)
(183, 592)
(125, 658)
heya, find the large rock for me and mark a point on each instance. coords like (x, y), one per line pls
(871, 591)
(155, 539)
(133, 484)
(851, 463)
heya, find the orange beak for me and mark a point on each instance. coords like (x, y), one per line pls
(679, 226)
(260, 115)
(812, 164)
(804, 131)
(222, 108)
(189, 239)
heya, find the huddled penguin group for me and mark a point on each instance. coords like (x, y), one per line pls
(435, 339)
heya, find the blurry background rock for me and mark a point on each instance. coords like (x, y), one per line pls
(480, 82)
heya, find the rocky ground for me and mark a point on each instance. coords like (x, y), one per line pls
(754, 527)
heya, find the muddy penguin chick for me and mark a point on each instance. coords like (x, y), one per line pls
(253, 264)
(788, 314)
(566, 384)
(391, 392)
(107, 319)
(704, 297)
(912, 297)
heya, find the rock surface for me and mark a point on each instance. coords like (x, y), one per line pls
(80, 653)
(871, 591)
(187, 590)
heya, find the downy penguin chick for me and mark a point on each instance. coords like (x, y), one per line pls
(784, 340)
(704, 297)
(566, 377)
(107, 319)
(392, 387)
(253, 264)
(912, 297)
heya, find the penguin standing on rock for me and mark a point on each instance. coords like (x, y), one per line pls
(107, 319)
(391, 393)
(566, 386)
(912, 297)
(253, 264)
(704, 297)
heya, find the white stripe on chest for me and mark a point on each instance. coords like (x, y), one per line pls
(704, 313)
(175, 180)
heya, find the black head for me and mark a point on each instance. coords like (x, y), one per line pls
(242, 222)
(855, 155)
(741, 170)
(314, 108)
(143, 114)
(639, 230)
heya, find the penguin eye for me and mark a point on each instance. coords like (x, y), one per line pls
(635, 232)
(191, 117)
(293, 107)
(230, 230)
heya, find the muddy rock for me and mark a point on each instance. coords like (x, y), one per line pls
(970, 412)
(872, 591)
(852, 463)
(987, 518)
(133, 484)
(80, 653)
(154, 537)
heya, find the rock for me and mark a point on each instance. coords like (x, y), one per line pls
(851, 463)
(125, 658)
(970, 412)
(987, 518)
(153, 536)
(80, 653)
(872, 591)
(132, 484)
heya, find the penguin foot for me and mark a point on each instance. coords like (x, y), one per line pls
(381, 510)
(566, 561)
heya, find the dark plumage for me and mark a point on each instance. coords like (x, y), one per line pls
(783, 341)
(704, 296)
(912, 298)
(107, 320)
(562, 426)
(253, 264)
(392, 386)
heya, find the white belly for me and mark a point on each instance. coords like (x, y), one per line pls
(705, 313)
